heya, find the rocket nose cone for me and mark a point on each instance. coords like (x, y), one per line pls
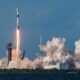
(17, 9)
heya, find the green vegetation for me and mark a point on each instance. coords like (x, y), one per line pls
(39, 71)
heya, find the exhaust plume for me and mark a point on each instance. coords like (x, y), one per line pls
(17, 40)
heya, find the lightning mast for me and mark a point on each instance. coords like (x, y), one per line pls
(40, 44)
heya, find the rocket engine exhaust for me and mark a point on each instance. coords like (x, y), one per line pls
(17, 40)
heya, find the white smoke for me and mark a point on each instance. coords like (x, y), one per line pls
(38, 63)
(20, 64)
(77, 47)
(55, 49)
(3, 63)
(56, 54)
(77, 54)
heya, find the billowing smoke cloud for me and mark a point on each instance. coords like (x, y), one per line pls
(56, 53)
(21, 64)
(77, 54)
(56, 56)
(55, 48)
(77, 47)
(38, 63)
(3, 63)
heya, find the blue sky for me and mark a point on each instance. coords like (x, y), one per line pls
(46, 18)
